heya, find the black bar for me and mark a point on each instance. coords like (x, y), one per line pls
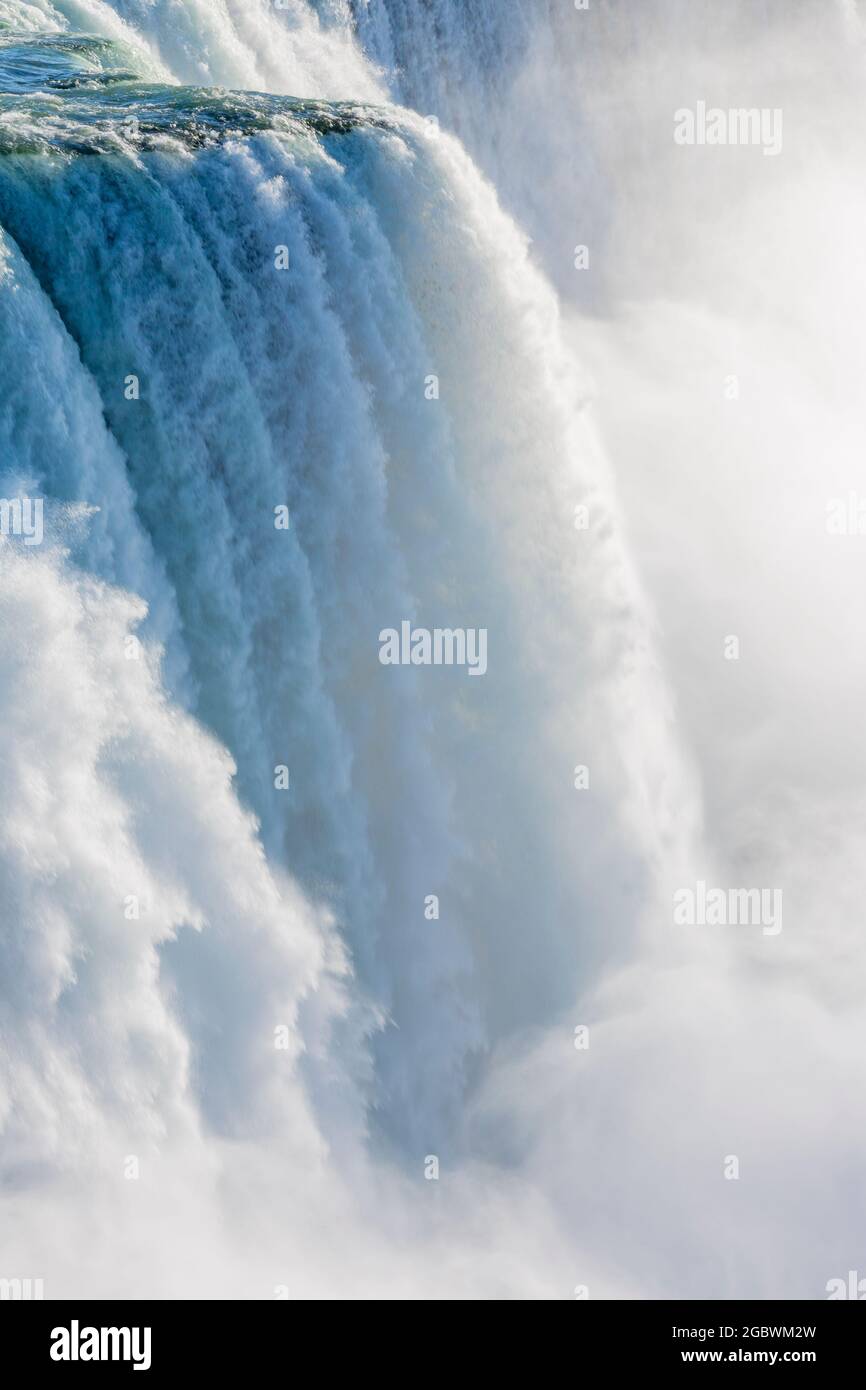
(221, 1339)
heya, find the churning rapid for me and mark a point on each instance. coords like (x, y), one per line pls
(283, 375)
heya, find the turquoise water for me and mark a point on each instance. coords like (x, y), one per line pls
(83, 93)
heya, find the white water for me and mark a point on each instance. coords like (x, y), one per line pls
(307, 387)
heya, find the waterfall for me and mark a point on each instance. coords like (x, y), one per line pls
(285, 371)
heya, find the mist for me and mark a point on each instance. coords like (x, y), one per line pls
(427, 1025)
